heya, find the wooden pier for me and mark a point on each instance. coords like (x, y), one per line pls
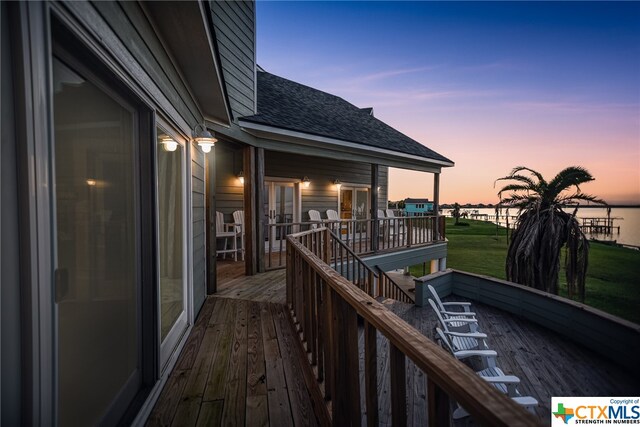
(600, 225)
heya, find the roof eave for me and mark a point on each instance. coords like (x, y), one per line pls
(371, 154)
(192, 49)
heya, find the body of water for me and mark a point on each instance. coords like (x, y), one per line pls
(628, 219)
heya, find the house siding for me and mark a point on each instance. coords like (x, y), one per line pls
(199, 226)
(322, 194)
(234, 25)
(229, 196)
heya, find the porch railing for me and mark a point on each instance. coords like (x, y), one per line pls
(326, 309)
(390, 289)
(362, 236)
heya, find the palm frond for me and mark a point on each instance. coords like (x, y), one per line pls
(569, 177)
(580, 196)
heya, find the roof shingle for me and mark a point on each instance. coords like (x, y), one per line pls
(289, 105)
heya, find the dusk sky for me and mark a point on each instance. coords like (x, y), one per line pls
(489, 85)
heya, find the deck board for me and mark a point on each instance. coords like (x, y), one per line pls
(233, 371)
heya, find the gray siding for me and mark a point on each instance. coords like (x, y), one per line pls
(10, 365)
(198, 206)
(322, 194)
(138, 37)
(229, 195)
(234, 25)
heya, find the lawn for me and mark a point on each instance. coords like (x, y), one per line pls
(613, 277)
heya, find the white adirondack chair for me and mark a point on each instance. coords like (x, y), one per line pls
(224, 233)
(390, 213)
(491, 373)
(443, 306)
(332, 215)
(238, 218)
(314, 216)
(461, 324)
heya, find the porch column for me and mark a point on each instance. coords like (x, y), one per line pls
(260, 200)
(436, 204)
(375, 229)
(434, 266)
(249, 167)
(210, 209)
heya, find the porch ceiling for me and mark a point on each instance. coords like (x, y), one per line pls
(289, 141)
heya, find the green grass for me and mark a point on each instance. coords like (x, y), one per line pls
(613, 277)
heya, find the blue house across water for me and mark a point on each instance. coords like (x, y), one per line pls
(417, 207)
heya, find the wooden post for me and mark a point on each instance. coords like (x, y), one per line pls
(398, 372)
(375, 230)
(260, 218)
(436, 205)
(346, 402)
(210, 229)
(250, 210)
(371, 373)
(437, 405)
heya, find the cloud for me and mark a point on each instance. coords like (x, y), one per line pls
(392, 73)
(569, 106)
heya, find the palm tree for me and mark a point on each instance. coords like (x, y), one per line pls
(456, 212)
(543, 228)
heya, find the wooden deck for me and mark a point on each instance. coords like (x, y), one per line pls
(546, 363)
(263, 287)
(241, 365)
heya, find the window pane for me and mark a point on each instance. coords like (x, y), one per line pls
(171, 234)
(98, 342)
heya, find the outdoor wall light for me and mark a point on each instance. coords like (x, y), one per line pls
(378, 189)
(337, 183)
(168, 143)
(241, 177)
(306, 182)
(204, 138)
(91, 182)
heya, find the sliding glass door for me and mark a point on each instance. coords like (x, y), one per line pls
(97, 230)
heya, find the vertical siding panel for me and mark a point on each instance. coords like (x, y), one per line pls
(234, 28)
(198, 211)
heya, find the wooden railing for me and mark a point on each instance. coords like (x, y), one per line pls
(326, 309)
(359, 235)
(390, 289)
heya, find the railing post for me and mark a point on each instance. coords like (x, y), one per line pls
(289, 276)
(398, 374)
(409, 231)
(371, 373)
(327, 247)
(329, 336)
(346, 402)
(437, 405)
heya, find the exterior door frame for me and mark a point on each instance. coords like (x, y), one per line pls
(181, 325)
(354, 188)
(145, 202)
(270, 183)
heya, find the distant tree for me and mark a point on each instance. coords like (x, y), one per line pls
(543, 228)
(456, 212)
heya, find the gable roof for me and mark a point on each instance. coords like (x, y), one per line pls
(417, 201)
(289, 105)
